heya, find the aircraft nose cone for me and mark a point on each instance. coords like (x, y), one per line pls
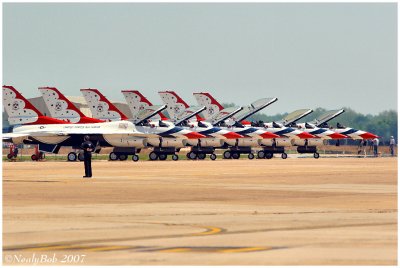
(194, 135)
(232, 135)
(269, 135)
(367, 136)
(337, 136)
(305, 135)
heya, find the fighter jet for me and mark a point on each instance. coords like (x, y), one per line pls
(169, 143)
(215, 137)
(352, 133)
(252, 136)
(287, 136)
(50, 134)
(63, 109)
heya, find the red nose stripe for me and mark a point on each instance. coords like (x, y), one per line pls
(194, 135)
(368, 135)
(269, 135)
(305, 135)
(337, 136)
(232, 135)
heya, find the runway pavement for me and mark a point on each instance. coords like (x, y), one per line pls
(230, 212)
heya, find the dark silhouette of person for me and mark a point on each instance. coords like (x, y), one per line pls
(87, 147)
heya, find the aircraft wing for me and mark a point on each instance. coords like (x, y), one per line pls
(225, 114)
(295, 116)
(189, 113)
(254, 107)
(329, 115)
(148, 113)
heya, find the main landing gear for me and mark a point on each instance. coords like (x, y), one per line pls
(308, 150)
(113, 156)
(161, 153)
(73, 156)
(122, 154)
(268, 152)
(236, 152)
(201, 153)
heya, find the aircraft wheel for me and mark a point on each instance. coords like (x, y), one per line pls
(153, 156)
(81, 157)
(269, 155)
(227, 155)
(235, 155)
(162, 157)
(34, 157)
(72, 156)
(123, 157)
(113, 156)
(284, 155)
(213, 156)
(251, 156)
(9, 156)
(175, 157)
(192, 155)
(316, 155)
(135, 158)
(201, 156)
(261, 154)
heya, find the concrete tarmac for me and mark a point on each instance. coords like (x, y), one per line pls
(224, 212)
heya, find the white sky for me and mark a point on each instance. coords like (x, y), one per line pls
(307, 55)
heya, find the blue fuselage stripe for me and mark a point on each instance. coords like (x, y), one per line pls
(318, 131)
(209, 131)
(350, 131)
(170, 132)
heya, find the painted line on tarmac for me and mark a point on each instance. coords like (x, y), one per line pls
(81, 247)
(210, 249)
(310, 227)
(173, 250)
(236, 250)
(210, 230)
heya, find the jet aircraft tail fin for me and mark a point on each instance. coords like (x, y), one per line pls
(213, 107)
(101, 107)
(20, 111)
(62, 108)
(137, 102)
(176, 106)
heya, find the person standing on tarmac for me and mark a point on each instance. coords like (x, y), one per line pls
(376, 144)
(392, 143)
(87, 147)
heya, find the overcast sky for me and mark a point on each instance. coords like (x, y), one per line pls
(306, 55)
